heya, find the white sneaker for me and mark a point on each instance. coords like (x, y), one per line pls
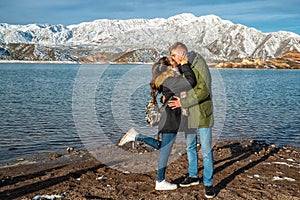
(128, 137)
(164, 185)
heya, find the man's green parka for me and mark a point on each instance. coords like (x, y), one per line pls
(199, 99)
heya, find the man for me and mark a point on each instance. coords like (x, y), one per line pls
(199, 103)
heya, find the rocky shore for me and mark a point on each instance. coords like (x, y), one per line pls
(243, 170)
(290, 60)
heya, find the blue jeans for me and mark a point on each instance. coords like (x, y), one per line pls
(164, 147)
(207, 154)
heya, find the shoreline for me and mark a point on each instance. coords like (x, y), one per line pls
(210, 65)
(243, 170)
(62, 156)
(37, 62)
(68, 62)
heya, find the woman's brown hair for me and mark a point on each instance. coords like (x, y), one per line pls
(157, 69)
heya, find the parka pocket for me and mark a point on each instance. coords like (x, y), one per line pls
(206, 108)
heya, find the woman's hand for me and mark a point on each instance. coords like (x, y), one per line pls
(163, 99)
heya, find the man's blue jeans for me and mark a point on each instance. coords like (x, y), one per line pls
(207, 154)
(164, 147)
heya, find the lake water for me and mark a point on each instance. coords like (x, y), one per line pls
(43, 106)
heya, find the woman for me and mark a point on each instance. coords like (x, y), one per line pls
(169, 82)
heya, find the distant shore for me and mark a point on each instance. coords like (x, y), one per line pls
(221, 65)
(68, 62)
(38, 62)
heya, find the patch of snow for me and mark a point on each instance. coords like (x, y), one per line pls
(277, 178)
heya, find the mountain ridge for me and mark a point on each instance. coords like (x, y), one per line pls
(216, 39)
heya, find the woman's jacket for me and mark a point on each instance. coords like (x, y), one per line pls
(171, 85)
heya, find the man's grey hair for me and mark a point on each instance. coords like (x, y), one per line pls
(179, 48)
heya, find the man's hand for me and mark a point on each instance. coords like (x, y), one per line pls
(174, 103)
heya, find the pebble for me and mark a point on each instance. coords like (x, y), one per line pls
(256, 176)
(70, 149)
(102, 177)
(289, 179)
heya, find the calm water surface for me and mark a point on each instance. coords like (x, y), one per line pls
(36, 105)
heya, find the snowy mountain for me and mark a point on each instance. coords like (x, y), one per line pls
(214, 38)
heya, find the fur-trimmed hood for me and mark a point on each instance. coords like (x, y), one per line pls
(169, 73)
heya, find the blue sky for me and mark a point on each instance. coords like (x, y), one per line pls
(264, 15)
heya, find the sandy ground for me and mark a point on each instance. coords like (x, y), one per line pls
(243, 170)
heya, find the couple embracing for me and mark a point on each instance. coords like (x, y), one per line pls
(186, 90)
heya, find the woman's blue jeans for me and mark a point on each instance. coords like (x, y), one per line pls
(207, 154)
(164, 147)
